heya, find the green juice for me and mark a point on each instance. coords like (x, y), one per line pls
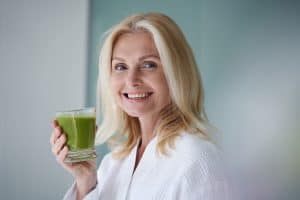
(79, 129)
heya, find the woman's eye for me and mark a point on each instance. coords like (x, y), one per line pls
(119, 67)
(149, 65)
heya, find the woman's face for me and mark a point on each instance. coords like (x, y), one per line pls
(138, 81)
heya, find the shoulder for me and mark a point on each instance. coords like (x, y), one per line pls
(198, 156)
(194, 147)
(110, 163)
(109, 159)
(106, 163)
(200, 169)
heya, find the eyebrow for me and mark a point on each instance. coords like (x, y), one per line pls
(141, 58)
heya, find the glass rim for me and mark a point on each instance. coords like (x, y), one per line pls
(83, 111)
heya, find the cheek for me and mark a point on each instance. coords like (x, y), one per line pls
(166, 94)
(164, 85)
(163, 89)
(115, 86)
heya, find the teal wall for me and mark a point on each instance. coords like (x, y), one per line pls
(212, 28)
(247, 52)
(104, 14)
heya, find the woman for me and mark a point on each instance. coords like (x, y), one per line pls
(151, 95)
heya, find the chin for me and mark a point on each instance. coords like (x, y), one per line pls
(136, 113)
(133, 114)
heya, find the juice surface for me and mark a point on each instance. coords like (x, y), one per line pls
(80, 131)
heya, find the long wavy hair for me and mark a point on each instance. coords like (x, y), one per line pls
(185, 113)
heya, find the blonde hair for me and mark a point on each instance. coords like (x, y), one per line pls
(185, 113)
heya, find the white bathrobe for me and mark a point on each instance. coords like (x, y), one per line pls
(193, 170)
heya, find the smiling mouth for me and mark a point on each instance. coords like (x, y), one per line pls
(138, 96)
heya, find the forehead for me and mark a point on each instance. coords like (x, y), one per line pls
(137, 43)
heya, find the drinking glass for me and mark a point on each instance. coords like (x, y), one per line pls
(80, 127)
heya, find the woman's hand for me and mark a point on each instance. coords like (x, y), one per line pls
(85, 173)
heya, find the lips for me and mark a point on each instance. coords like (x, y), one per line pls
(137, 96)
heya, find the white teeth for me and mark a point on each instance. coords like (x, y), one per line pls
(138, 96)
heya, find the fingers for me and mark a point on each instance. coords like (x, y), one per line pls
(62, 155)
(57, 138)
(59, 144)
(55, 134)
(54, 123)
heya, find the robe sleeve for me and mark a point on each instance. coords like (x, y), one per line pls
(206, 179)
(212, 190)
(71, 193)
(95, 193)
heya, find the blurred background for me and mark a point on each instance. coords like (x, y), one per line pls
(248, 55)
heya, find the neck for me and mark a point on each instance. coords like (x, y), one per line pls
(148, 128)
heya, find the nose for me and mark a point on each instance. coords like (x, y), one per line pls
(133, 78)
